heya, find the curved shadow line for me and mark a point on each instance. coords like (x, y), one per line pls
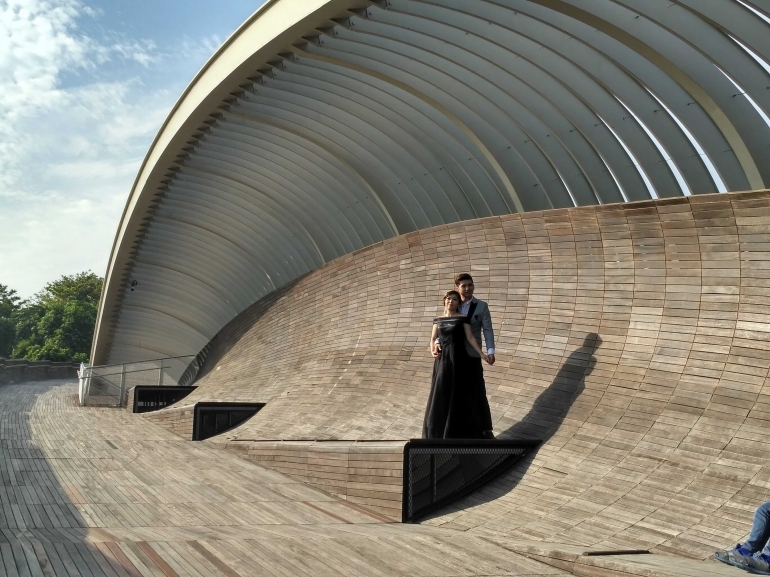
(541, 422)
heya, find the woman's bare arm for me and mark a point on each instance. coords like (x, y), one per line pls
(473, 342)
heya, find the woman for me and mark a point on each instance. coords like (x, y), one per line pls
(452, 411)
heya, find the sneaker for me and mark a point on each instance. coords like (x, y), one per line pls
(759, 564)
(737, 556)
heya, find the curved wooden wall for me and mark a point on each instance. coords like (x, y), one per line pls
(633, 338)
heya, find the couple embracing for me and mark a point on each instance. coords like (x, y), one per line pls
(457, 404)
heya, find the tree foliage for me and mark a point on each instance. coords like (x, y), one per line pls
(57, 324)
(7, 337)
(85, 288)
(9, 303)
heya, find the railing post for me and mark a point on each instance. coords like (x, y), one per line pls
(122, 384)
(86, 385)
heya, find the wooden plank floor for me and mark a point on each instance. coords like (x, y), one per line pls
(97, 491)
(633, 339)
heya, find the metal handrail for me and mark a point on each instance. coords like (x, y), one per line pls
(108, 385)
(140, 362)
(128, 372)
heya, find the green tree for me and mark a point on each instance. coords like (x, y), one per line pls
(9, 301)
(25, 321)
(66, 330)
(85, 287)
(9, 304)
(7, 337)
(58, 323)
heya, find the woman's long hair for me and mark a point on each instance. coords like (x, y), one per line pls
(449, 294)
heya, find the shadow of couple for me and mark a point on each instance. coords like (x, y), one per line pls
(553, 404)
(541, 422)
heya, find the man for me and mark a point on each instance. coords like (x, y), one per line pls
(478, 311)
(754, 554)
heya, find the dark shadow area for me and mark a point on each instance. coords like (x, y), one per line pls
(438, 472)
(211, 419)
(230, 335)
(541, 422)
(38, 519)
(155, 398)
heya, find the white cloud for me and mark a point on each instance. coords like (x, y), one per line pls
(41, 245)
(96, 169)
(36, 44)
(141, 52)
(69, 152)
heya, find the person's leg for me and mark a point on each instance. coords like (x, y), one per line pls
(478, 402)
(758, 540)
(760, 529)
(742, 555)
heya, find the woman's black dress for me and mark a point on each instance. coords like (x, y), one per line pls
(457, 405)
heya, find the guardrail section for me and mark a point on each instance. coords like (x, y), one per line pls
(108, 385)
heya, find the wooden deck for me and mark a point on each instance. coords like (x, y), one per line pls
(102, 492)
(633, 339)
(94, 492)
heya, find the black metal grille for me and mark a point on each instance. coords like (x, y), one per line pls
(153, 398)
(439, 471)
(212, 419)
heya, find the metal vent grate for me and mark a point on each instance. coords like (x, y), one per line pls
(440, 471)
(153, 398)
(211, 419)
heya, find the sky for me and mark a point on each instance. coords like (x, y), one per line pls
(84, 88)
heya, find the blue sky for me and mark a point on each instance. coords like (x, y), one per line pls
(84, 87)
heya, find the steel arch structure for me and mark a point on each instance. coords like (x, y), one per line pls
(325, 126)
